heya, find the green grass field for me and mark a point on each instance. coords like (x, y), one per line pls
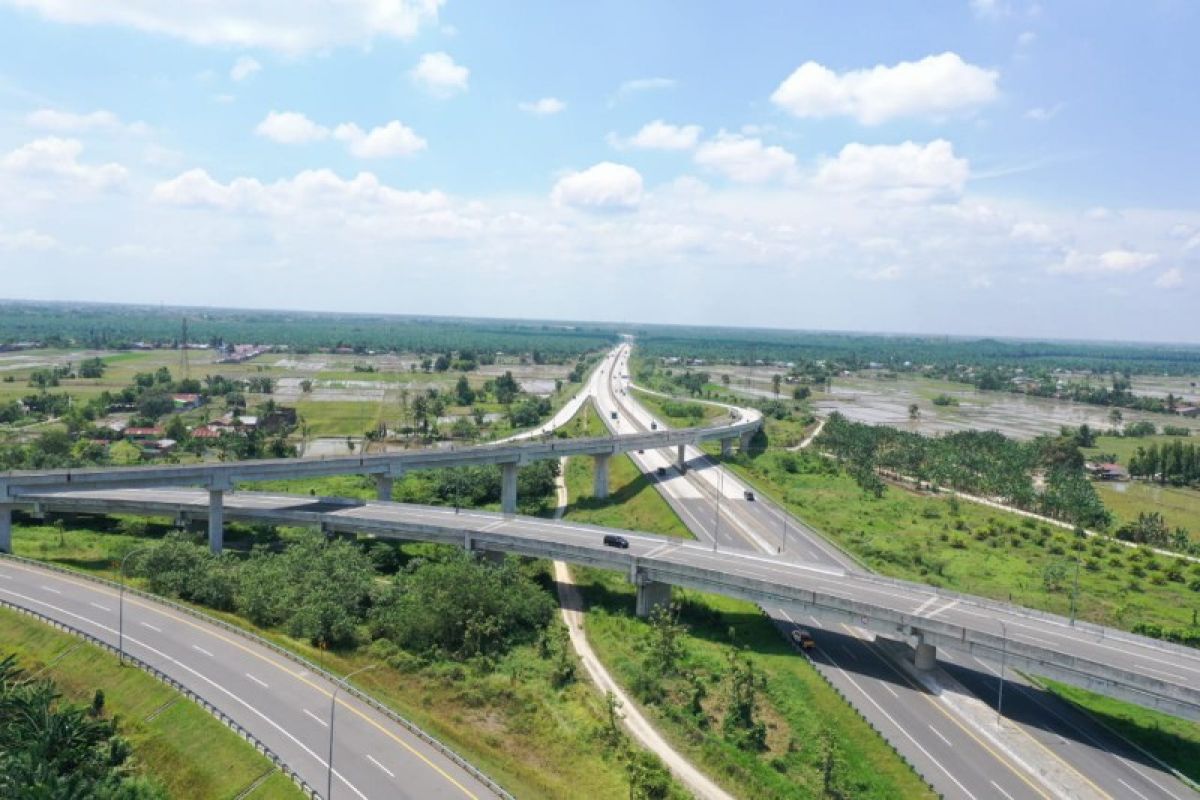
(1179, 506)
(797, 705)
(1125, 446)
(979, 550)
(174, 741)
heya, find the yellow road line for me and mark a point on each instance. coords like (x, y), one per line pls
(105, 590)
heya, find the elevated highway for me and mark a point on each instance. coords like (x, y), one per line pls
(1138, 669)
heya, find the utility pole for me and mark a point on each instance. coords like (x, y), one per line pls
(720, 491)
(184, 367)
(1075, 590)
(332, 711)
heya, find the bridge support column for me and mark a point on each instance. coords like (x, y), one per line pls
(726, 447)
(744, 445)
(383, 487)
(925, 657)
(681, 459)
(600, 482)
(652, 595)
(508, 488)
(5, 528)
(216, 519)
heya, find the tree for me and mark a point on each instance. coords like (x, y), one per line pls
(125, 453)
(463, 392)
(1116, 417)
(914, 411)
(776, 382)
(743, 684)
(306, 386)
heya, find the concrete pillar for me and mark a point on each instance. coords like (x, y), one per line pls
(651, 595)
(508, 488)
(744, 446)
(5, 528)
(726, 447)
(600, 481)
(681, 459)
(216, 519)
(925, 657)
(383, 487)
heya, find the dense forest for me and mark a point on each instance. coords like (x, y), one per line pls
(118, 327)
(902, 352)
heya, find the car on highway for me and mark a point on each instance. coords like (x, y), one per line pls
(803, 638)
(749, 495)
(660, 471)
(612, 540)
(641, 451)
(614, 415)
(653, 426)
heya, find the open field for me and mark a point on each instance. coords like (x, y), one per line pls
(1179, 506)
(174, 741)
(799, 709)
(937, 540)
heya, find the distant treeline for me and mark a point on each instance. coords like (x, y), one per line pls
(118, 327)
(859, 350)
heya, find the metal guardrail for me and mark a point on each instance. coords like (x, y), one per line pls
(155, 672)
(358, 694)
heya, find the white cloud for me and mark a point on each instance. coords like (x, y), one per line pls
(290, 127)
(1171, 279)
(243, 68)
(1043, 113)
(437, 74)
(53, 157)
(990, 9)
(908, 172)
(387, 141)
(745, 159)
(309, 191)
(935, 86)
(639, 85)
(1026, 38)
(1118, 261)
(544, 107)
(604, 186)
(29, 240)
(292, 26)
(659, 135)
(50, 119)
(1033, 232)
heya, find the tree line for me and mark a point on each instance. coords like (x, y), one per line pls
(986, 463)
(1174, 463)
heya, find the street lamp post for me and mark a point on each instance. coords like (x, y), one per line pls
(783, 516)
(1075, 590)
(121, 606)
(332, 712)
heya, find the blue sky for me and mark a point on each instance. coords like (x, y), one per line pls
(997, 167)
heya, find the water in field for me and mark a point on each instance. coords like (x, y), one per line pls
(880, 401)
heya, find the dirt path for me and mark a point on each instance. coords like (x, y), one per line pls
(639, 727)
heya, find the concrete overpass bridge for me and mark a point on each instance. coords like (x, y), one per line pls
(1138, 669)
(220, 479)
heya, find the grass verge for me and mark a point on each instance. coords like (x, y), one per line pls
(174, 741)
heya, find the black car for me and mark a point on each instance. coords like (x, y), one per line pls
(749, 495)
(660, 471)
(612, 540)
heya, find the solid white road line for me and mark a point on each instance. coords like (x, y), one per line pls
(318, 719)
(938, 734)
(200, 649)
(371, 758)
(1001, 790)
(890, 690)
(256, 680)
(1130, 788)
(216, 686)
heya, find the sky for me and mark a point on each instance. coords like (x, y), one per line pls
(978, 167)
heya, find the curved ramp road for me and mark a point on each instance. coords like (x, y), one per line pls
(1044, 747)
(280, 702)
